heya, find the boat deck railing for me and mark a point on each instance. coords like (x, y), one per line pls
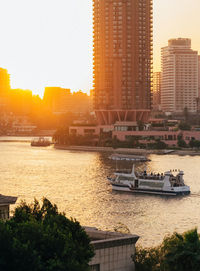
(151, 177)
(126, 171)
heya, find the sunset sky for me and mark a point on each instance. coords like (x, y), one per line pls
(49, 42)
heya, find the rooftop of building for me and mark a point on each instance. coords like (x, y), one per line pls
(180, 42)
(126, 123)
(7, 200)
(101, 239)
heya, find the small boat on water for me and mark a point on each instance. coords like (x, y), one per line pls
(129, 157)
(171, 183)
(40, 142)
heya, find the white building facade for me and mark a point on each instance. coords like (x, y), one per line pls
(114, 251)
(179, 88)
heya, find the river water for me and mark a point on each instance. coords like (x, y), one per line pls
(76, 182)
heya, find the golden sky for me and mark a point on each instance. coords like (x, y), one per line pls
(174, 19)
(49, 42)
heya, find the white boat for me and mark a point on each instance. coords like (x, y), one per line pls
(170, 183)
(128, 157)
(40, 142)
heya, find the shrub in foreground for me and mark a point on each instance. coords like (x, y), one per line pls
(179, 252)
(42, 239)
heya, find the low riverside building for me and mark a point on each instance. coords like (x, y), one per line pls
(84, 130)
(169, 137)
(5, 202)
(113, 250)
(130, 131)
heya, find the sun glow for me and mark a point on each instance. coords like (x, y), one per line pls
(174, 19)
(49, 42)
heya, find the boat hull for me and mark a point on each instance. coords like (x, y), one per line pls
(162, 192)
(40, 144)
(119, 187)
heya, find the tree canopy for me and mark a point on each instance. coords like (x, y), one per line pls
(194, 143)
(184, 126)
(178, 252)
(39, 238)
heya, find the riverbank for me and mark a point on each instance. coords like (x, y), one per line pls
(127, 150)
(182, 152)
(22, 139)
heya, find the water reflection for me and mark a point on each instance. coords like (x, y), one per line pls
(76, 182)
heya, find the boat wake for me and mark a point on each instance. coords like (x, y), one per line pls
(197, 195)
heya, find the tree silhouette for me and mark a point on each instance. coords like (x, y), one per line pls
(42, 239)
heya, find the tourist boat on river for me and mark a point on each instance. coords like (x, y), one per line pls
(40, 142)
(128, 157)
(171, 183)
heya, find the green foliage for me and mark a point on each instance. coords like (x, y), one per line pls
(105, 139)
(158, 145)
(140, 125)
(181, 252)
(61, 136)
(161, 145)
(83, 140)
(184, 126)
(194, 143)
(147, 259)
(181, 143)
(158, 124)
(178, 252)
(42, 239)
(128, 143)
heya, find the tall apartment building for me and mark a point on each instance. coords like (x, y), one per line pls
(61, 101)
(122, 59)
(156, 91)
(179, 76)
(57, 99)
(199, 74)
(4, 81)
(4, 88)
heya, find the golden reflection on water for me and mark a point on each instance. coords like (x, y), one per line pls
(76, 182)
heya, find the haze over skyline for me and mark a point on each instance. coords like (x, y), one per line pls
(49, 43)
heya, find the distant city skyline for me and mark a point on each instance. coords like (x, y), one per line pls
(49, 43)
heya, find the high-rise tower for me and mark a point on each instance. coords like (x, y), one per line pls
(179, 88)
(122, 59)
(4, 88)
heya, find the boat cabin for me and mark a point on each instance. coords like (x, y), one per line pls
(151, 176)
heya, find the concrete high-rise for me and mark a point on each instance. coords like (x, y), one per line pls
(4, 81)
(199, 74)
(4, 88)
(61, 101)
(179, 88)
(122, 59)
